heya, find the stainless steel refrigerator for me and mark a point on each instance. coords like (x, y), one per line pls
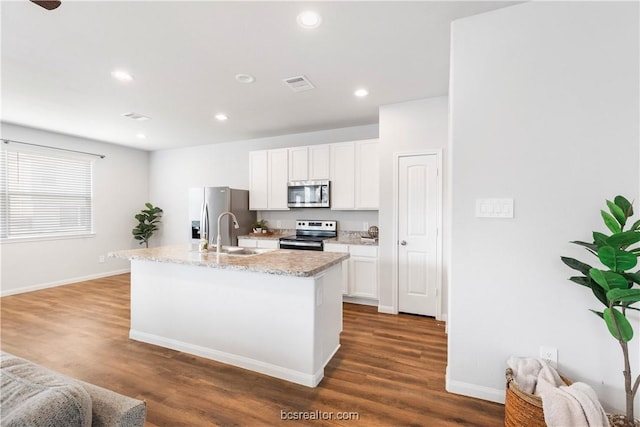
(207, 203)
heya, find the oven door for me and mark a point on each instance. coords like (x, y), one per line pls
(304, 245)
(308, 194)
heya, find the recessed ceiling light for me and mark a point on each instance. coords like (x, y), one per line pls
(141, 135)
(245, 78)
(221, 117)
(361, 93)
(121, 75)
(309, 19)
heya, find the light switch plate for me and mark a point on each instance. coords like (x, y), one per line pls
(494, 208)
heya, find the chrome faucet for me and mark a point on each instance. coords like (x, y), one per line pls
(235, 225)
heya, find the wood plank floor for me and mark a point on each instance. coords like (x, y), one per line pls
(389, 371)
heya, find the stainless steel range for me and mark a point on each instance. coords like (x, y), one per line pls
(310, 234)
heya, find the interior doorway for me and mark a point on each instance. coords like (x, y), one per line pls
(418, 236)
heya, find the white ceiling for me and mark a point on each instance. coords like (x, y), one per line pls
(56, 66)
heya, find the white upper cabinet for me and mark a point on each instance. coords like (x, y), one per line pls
(268, 176)
(298, 164)
(309, 163)
(343, 172)
(278, 178)
(355, 175)
(367, 174)
(258, 180)
(353, 168)
(319, 162)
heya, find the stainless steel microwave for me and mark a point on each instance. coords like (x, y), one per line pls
(308, 194)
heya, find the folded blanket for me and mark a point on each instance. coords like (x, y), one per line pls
(576, 405)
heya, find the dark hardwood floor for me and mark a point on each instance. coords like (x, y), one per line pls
(389, 371)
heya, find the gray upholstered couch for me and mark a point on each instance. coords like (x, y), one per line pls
(35, 396)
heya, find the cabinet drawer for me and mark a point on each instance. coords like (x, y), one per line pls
(247, 243)
(336, 247)
(268, 244)
(365, 251)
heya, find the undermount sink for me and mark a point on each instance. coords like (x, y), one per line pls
(237, 250)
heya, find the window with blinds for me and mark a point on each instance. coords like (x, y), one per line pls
(45, 194)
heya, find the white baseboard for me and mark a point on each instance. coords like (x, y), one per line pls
(444, 318)
(386, 309)
(309, 380)
(360, 300)
(69, 281)
(474, 390)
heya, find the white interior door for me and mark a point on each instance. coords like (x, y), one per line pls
(418, 213)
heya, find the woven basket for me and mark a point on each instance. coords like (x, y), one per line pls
(522, 409)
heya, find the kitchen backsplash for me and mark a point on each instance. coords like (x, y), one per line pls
(347, 220)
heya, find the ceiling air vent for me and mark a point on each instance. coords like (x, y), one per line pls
(136, 116)
(298, 83)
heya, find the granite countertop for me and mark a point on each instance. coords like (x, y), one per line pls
(344, 237)
(351, 240)
(276, 235)
(281, 262)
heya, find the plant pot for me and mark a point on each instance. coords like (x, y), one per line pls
(618, 420)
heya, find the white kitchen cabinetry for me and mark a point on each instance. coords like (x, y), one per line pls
(309, 163)
(319, 162)
(258, 180)
(298, 164)
(367, 174)
(355, 175)
(278, 177)
(360, 271)
(259, 243)
(343, 159)
(268, 176)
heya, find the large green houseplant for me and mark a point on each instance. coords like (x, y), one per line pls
(615, 286)
(148, 220)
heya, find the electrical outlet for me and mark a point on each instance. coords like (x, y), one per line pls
(278, 225)
(550, 355)
(365, 226)
(101, 259)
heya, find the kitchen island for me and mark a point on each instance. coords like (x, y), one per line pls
(278, 312)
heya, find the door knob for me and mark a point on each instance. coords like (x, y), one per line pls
(403, 242)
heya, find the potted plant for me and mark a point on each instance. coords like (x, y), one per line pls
(615, 286)
(259, 225)
(148, 220)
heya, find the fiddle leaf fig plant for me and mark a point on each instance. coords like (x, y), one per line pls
(617, 285)
(148, 220)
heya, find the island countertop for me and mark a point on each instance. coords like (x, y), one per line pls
(282, 262)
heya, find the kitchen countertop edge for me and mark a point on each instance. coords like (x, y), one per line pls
(260, 263)
(342, 240)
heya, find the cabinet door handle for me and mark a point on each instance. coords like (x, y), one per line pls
(403, 242)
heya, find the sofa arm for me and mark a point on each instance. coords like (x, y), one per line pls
(113, 409)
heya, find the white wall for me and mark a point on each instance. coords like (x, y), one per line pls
(409, 127)
(120, 191)
(173, 172)
(544, 110)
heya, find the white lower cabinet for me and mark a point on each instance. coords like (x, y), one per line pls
(360, 271)
(259, 243)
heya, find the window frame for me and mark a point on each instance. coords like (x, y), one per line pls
(45, 154)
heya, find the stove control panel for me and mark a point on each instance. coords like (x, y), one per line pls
(316, 225)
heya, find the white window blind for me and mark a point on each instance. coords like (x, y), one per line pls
(45, 193)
